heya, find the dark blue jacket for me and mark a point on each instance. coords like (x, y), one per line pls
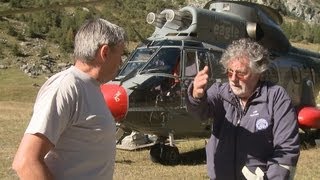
(264, 134)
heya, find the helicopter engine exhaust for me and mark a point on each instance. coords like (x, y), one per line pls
(157, 20)
(221, 23)
(117, 99)
(254, 30)
(309, 117)
(182, 19)
(178, 20)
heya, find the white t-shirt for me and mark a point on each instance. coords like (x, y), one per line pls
(71, 112)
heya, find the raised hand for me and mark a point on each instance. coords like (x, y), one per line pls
(200, 83)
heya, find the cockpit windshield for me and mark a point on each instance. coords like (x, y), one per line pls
(139, 58)
(164, 61)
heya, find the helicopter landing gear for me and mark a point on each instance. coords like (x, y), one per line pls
(165, 154)
(121, 133)
(308, 138)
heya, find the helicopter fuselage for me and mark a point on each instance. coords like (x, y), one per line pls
(157, 96)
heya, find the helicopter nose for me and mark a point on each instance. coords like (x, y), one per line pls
(117, 99)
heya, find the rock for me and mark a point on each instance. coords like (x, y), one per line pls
(303, 9)
(3, 66)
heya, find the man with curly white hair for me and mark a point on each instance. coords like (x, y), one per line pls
(254, 132)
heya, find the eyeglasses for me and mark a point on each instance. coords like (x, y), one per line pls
(240, 75)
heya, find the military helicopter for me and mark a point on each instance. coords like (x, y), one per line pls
(158, 72)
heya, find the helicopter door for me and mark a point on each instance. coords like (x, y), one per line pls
(189, 70)
(194, 61)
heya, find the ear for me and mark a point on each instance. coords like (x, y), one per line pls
(103, 53)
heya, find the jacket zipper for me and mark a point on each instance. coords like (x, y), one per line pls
(241, 112)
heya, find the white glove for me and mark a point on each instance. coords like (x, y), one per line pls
(258, 175)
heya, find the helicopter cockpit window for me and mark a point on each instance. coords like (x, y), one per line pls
(167, 43)
(139, 58)
(203, 60)
(191, 65)
(296, 74)
(163, 62)
(218, 71)
(194, 44)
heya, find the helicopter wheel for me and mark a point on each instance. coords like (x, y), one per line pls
(155, 152)
(164, 154)
(308, 139)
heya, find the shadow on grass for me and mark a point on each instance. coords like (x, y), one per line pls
(124, 161)
(195, 157)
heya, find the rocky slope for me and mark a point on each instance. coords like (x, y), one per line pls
(307, 10)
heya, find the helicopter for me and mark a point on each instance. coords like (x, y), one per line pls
(148, 94)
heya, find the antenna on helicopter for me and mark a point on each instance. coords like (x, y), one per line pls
(143, 40)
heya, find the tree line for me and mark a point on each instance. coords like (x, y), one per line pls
(59, 25)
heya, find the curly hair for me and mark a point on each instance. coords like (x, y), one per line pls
(258, 55)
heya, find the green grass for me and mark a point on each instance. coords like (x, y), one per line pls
(16, 102)
(17, 86)
(133, 165)
(13, 121)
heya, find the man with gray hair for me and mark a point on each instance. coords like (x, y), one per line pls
(71, 134)
(254, 132)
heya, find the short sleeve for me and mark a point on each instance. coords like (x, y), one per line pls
(52, 110)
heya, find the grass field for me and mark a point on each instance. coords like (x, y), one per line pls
(16, 101)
